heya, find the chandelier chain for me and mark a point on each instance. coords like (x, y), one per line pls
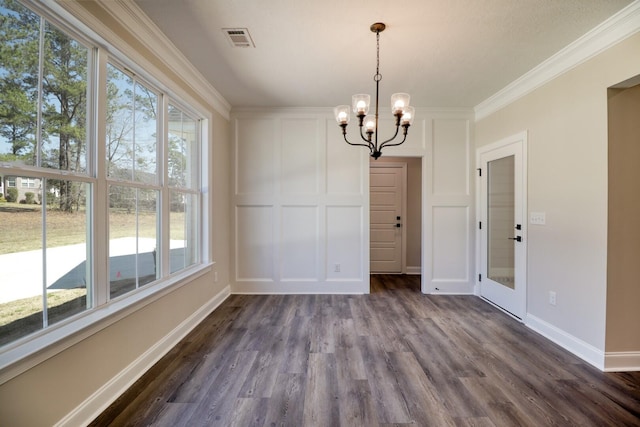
(378, 76)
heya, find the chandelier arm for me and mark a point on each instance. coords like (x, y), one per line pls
(385, 144)
(344, 134)
(355, 143)
(367, 140)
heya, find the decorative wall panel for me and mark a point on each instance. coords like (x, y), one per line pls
(254, 243)
(451, 243)
(344, 242)
(255, 148)
(302, 202)
(299, 243)
(345, 171)
(299, 156)
(451, 157)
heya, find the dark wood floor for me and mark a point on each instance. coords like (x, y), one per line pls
(394, 357)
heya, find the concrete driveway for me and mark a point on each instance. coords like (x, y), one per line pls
(21, 273)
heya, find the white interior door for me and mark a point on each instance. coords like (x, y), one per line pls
(387, 189)
(503, 225)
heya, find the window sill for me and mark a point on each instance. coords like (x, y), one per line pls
(34, 349)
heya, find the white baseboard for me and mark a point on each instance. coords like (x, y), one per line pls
(93, 406)
(349, 287)
(583, 350)
(414, 270)
(622, 361)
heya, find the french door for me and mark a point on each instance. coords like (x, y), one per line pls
(503, 227)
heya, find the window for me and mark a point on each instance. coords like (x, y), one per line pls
(131, 159)
(44, 94)
(29, 182)
(94, 230)
(183, 173)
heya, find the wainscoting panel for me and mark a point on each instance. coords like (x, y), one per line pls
(452, 154)
(345, 166)
(344, 243)
(255, 148)
(451, 243)
(450, 214)
(299, 244)
(254, 243)
(301, 201)
(300, 141)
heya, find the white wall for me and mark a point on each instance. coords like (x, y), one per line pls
(301, 202)
(566, 120)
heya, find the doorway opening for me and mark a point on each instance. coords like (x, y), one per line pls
(396, 215)
(623, 230)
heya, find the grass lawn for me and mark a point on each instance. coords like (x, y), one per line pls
(11, 311)
(21, 227)
(22, 317)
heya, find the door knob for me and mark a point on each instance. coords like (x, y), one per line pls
(517, 238)
(397, 225)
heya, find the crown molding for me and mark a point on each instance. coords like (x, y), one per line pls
(444, 112)
(139, 25)
(618, 27)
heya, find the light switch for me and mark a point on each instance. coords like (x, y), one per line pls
(537, 218)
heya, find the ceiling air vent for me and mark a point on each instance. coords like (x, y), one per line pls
(238, 37)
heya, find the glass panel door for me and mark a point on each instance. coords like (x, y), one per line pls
(500, 218)
(502, 251)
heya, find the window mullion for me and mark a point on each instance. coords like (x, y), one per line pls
(163, 173)
(38, 148)
(38, 163)
(99, 197)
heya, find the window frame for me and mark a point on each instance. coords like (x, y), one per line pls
(22, 354)
(28, 182)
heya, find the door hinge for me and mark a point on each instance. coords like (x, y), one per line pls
(480, 225)
(479, 171)
(479, 277)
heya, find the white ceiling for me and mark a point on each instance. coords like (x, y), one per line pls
(317, 53)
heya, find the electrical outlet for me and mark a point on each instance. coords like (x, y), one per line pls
(537, 218)
(552, 298)
(336, 268)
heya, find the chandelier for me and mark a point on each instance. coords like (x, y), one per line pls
(360, 103)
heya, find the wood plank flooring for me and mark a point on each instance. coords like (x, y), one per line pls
(393, 357)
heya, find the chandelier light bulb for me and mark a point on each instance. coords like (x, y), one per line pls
(361, 103)
(370, 124)
(399, 101)
(342, 114)
(407, 116)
